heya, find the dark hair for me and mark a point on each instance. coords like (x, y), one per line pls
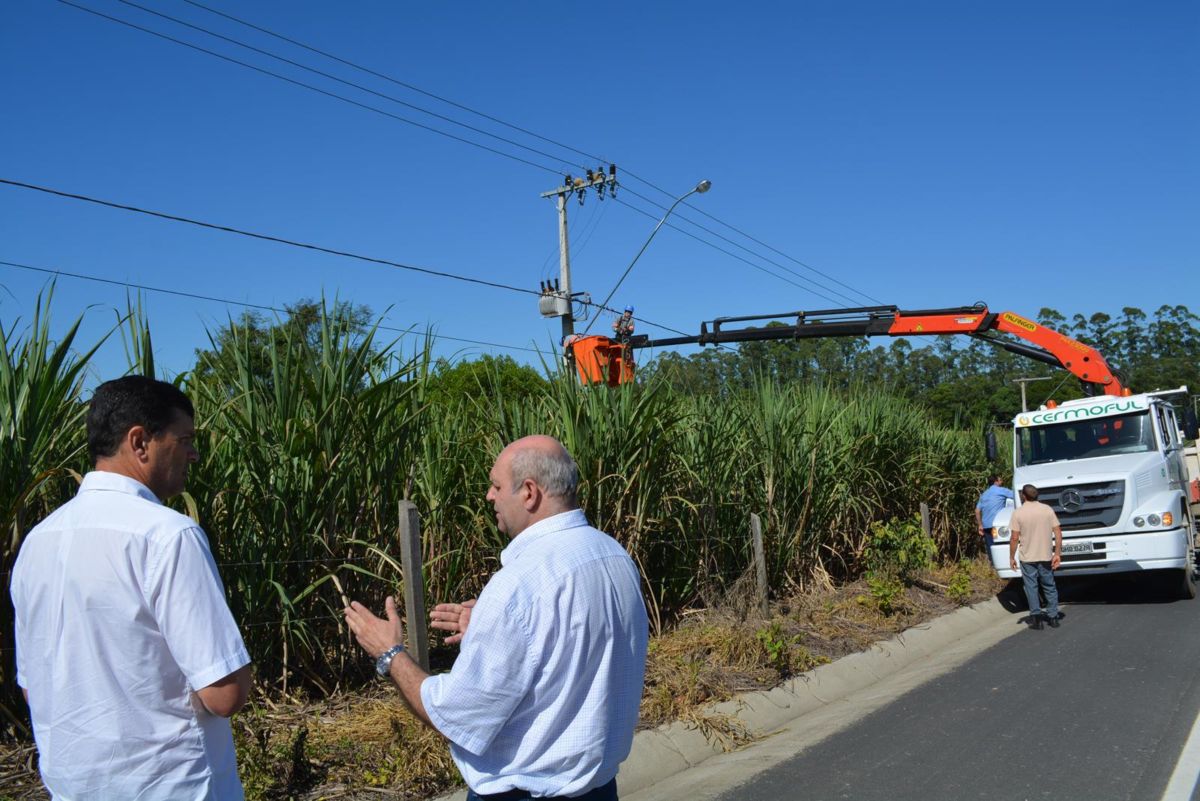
(1029, 492)
(123, 403)
(993, 478)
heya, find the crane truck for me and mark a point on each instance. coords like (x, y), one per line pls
(1113, 465)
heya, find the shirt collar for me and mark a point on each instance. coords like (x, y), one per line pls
(104, 481)
(539, 531)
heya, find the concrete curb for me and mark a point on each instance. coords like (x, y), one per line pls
(658, 754)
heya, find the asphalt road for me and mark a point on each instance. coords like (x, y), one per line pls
(1098, 709)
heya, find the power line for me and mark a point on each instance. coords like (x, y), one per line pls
(450, 120)
(748, 236)
(268, 237)
(748, 250)
(758, 267)
(395, 81)
(310, 87)
(244, 304)
(345, 82)
(511, 126)
(293, 243)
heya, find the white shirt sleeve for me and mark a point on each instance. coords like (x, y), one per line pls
(18, 640)
(188, 600)
(493, 673)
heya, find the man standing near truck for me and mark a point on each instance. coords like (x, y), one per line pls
(1032, 525)
(991, 501)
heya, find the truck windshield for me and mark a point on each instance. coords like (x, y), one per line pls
(1085, 439)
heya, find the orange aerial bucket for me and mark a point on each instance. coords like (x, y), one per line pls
(599, 359)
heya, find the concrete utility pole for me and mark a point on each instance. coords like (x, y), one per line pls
(1022, 382)
(557, 298)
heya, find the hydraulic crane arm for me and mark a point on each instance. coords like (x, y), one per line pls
(1045, 345)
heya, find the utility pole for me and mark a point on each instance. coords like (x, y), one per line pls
(557, 299)
(1022, 382)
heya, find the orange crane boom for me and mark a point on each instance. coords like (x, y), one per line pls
(600, 359)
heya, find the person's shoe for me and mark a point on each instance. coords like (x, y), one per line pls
(1054, 621)
(1035, 622)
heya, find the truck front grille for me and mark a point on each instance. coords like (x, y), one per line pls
(1085, 506)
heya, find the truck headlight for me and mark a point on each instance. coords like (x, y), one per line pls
(1139, 521)
(1000, 533)
(1153, 520)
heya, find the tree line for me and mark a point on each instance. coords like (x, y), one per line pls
(963, 381)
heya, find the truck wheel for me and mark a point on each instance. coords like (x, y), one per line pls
(1185, 583)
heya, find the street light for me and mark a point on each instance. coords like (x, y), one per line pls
(698, 189)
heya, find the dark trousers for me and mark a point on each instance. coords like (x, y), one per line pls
(1035, 574)
(605, 792)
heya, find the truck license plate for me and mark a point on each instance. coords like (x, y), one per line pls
(1077, 547)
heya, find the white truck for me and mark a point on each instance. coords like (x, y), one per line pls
(1112, 465)
(1125, 487)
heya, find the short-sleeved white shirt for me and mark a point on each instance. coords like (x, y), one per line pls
(545, 692)
(120, 616)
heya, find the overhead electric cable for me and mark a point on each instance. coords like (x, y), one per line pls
(358, 86)
(244, 304)
(310, 87)
(267, 237)
(396, 81)
(746, 249)
(294, 243)
(758, 267)
(490, 118)
(737, 230)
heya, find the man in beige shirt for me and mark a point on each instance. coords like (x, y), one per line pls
(1032, 526)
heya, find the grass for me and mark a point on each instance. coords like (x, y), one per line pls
(365, 744)
(309, 440)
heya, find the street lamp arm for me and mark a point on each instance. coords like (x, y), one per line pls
(701, 187)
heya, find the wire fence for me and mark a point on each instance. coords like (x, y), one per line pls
(704, 573)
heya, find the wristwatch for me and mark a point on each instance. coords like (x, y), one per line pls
(384, 663)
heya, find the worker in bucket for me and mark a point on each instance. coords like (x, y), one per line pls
(623, 325)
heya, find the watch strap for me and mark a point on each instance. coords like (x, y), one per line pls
(384, 663)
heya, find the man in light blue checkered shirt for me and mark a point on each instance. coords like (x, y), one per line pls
(543, 698)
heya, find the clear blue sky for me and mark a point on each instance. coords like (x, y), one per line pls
(926, 154)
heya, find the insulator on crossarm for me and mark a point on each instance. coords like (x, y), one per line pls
(567, 180)
(591, 176)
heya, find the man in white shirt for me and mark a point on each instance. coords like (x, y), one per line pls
(543, 698)
(126, 650)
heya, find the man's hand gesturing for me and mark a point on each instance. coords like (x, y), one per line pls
(452, 618)
(374, 634)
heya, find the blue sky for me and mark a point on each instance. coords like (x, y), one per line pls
(925, 154)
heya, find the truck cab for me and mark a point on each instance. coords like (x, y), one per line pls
(1114, 471)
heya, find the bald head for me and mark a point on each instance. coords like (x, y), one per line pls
(544, 460)
(533, 478)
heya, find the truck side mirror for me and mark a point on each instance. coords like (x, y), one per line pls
(989, 444)
(1190, 428)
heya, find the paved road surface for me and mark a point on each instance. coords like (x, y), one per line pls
(1098, 709)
